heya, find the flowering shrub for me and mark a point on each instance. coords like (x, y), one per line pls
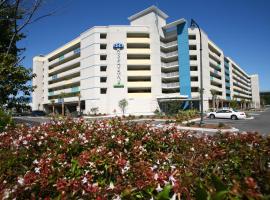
(111, 159)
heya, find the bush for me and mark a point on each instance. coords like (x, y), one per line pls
(220, 124)
(111, 159)
(185, 115)
(5, 120)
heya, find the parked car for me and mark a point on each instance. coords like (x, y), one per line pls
(227, 113)
(38, 113)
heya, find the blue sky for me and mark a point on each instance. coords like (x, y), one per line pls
(240, 27)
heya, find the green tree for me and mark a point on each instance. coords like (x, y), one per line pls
(13, 80)
(123, 103)
(15, 15)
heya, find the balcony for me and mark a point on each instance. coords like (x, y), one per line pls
(139, 62)
(138, 51)
(65, 66)
(227, 77)
(227, 66)
(215, 72)
(171, 85)
(138, 40)
(170, 65)
(216, 88)
(64, 74)
(169, 55)
(170, 75)
(139, 84)
(65, 91)
(169, 44)
(214, 57)
(215, 80)
(139, 95)
(65, 83)
(139, 73)
(214, 65)
(65, 58)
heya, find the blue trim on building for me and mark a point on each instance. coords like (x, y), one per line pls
(183, 59)
(227, 80)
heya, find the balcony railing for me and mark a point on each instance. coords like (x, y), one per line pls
(170, 85)
(62, 58)
(168, 44)
(171, 74)
(167, 55)
(175, 63)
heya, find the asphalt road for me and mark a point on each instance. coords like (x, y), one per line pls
(30, 121)
(260, 123)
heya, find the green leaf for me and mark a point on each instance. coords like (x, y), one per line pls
(219, 186)
(201, 193)
(220, 195)
(165, 193)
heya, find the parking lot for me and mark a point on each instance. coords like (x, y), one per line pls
(260, 123)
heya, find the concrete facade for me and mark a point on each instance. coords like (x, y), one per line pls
(150, 71)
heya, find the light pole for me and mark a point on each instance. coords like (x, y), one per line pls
(193, 24)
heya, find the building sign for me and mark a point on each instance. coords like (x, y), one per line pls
(118, 47)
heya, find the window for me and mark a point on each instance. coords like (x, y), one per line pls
(220, 111)
(103, 35)
(103, 68)
(103, 79)
(103, 46)
(194, 89)
(192, 47)
(193, 57)
(192, 37)
(194, 78)
(103, 90)
(193, 68)
(103, 57)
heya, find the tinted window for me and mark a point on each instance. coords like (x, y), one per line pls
(220, 111)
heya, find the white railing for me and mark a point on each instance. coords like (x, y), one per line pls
(65, 56)
(168, 44)
(175, 63)
(171, 74)
(170, 85)
(174, 53)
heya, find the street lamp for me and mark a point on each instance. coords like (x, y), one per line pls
(193, 24)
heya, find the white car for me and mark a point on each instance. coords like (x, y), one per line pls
(227, 113)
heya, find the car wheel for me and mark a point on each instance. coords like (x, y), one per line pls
(233, 117)
(212, 116)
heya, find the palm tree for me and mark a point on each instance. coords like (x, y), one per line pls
(52, 102)
(214, 95)
(62, 96)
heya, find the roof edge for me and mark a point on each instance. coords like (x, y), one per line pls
(148, 10)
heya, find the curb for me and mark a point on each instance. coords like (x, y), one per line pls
(212, 130)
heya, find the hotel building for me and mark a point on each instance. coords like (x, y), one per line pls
(148, 62)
